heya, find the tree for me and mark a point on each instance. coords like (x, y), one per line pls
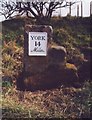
(40, 10)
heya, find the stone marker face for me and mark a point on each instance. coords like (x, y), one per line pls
(37, 38)
(37, 44)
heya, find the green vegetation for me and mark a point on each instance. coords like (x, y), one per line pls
(72, 33)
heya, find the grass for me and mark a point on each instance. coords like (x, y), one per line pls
(56, 103)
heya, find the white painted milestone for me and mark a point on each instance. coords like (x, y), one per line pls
(37, 44)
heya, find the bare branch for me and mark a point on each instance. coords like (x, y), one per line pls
(38, 9)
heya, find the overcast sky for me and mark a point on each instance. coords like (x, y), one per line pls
(65, 11)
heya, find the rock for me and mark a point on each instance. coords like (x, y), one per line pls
(84, 71)
(40, 28)
(35, 64)
(87, 52)
(56, 54)
(70, 75)
(54, 76)
(43, 72)
(20, 80)
(71, 66)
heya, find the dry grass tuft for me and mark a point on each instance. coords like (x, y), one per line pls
(56, 103)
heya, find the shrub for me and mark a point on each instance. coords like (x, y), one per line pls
(12, 58)
(62, 36)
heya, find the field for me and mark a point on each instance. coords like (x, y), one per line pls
(63, 102)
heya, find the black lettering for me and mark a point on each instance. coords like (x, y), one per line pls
(37, 43)
(43, 37)
(32, 37)
(37, 37)
(37, 49)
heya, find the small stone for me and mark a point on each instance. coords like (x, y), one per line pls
(56, 54)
